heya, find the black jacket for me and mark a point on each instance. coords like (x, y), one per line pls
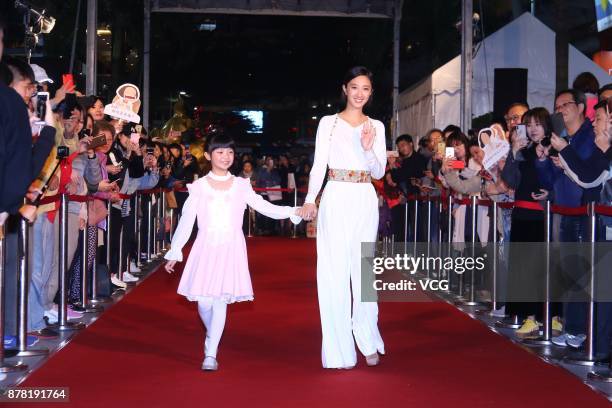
(20, 161)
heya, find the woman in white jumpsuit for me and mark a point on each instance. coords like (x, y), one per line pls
(353, 146)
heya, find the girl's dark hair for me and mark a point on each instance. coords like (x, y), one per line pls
(220, 141)
(354, 73)
(457, 138)
(541, 116)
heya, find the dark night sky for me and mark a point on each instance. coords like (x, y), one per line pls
(282, 63)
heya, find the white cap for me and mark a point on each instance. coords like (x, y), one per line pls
(40, 75)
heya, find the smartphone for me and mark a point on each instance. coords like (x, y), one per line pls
(449, 152)
(521, 132)
(134, 138)
(188, 156)
(97, 141)
(68, 80)
(41, 106)
(441, 149)
(457, 164)
(558, 124)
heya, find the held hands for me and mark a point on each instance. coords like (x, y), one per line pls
(307, 212)
(170, 266)
(368, 133)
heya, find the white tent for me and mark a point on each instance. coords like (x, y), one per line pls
(524, 43)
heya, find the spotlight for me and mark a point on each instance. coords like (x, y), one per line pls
(37, 20)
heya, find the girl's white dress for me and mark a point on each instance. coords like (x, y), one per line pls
(348, 216)
(217, 266)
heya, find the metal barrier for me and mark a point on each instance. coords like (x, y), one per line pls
(588, 357)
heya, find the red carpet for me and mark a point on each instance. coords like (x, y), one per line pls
(147, 351)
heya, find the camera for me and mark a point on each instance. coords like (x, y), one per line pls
(150, 150)
(545, 142)
(62, 152)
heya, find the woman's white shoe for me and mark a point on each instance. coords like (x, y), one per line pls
(210, 364)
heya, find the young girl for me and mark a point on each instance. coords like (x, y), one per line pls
(216, 272)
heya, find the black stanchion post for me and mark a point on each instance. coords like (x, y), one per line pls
(5, 367)
(471, 301)
(137, 225)
(62, 321)
(294, 235)
(163, 221)
(149, 227)
(545, 339)
(22, 300)
(588, 357)
(428, 234)
(449, 237)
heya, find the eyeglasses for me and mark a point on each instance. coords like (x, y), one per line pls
(563, 105)
(513, 118)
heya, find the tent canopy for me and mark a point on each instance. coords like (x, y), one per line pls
(523, 43)
(320, 8)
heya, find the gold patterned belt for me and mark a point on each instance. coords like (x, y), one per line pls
(352, 176)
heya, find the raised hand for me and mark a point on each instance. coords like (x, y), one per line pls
(368, 133)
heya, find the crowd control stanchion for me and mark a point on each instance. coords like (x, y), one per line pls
(439, 252)
(149, 228)
(85, 305)
(471, 300)
(62, 318)
(163, 221)
(137, 228)
(588, 357)
(494, 301)
(294, 235)
(107, 247)
(171, 223)
(406, 226)
(5, 367)
(22, 296)
(449, 238)
(546, 338)
(158, 226)
(510, 322)
(249, 222)
(428, 197)
(603, 374)
(416, 225)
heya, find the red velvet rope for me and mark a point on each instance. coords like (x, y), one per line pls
(559, 209)
(603, 210)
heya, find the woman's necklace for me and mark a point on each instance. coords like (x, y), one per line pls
(219, 178)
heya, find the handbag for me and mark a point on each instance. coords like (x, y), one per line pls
(96, 212)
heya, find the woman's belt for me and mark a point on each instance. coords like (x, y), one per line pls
(351, 176)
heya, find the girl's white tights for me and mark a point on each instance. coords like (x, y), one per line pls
(212, 312)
